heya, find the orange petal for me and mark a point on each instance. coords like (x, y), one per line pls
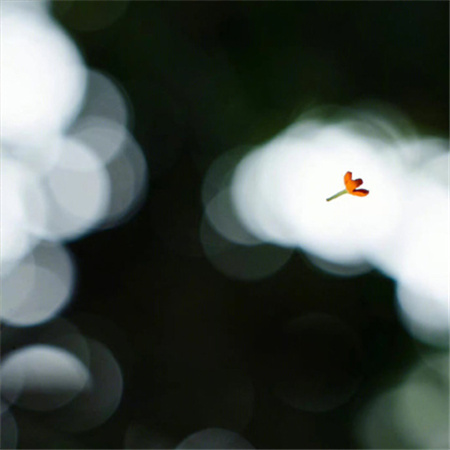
(347, 177)
(360, 192)
(350, 186)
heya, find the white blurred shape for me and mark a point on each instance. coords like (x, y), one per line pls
(241, 262)
(95, 405)
(15, 240)
(129, 181)
(402, 227)
(17, 288)
(425, 317)
(42, 378)
(38, 157)
(38, 287)
(342, 231)
(280, 190)
(424, 264)
(43, 77)
(415, 252)
(17, 244)
(214, 438)
(75, 194)
(36, 6)
(437, 168)
(73, 175)
(420, 154)
(219, 174)
(223, 217)
(105, 99)
(105, 137)
(421, 256)
(9, 431)
(248, 190)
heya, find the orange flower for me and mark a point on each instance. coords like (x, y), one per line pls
(350, 187)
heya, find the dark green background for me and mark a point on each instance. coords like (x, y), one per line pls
(204, 78)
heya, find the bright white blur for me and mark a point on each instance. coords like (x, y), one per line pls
(277, 194)
(43, 75)
(69, 164)
(280, 192)
(69, 167)
(38, 287)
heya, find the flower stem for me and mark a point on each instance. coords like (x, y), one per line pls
(337, 195)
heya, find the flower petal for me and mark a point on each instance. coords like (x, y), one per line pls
(360, 192)
(347, 177)
(350, 184)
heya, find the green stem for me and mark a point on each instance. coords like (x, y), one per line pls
(337, 195)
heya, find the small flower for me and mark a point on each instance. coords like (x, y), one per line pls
(350, 187)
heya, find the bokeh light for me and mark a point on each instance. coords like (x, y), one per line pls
(425, 317)
(61, 186)
(69, 166)
(104, 136)
(281, 189)
(64, 335)
(413, 414)
(16, 241)
(74, 194)
(277, 193)
(240, 309)
(94, 406)
(55, 72)
(38, 288)
(242, 262)
(214, 438)
(128, 176)
(42, 377)
(222, 216)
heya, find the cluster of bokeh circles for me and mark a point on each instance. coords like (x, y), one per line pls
(263, 204)
(69, 167)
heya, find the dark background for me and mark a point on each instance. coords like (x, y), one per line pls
(204, 78)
